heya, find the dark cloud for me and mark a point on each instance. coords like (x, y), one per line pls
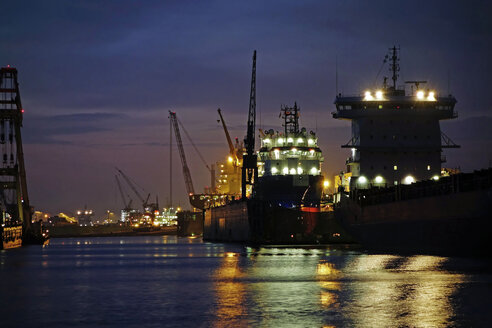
(46, 129)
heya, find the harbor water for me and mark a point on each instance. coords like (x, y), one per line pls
(166, 281)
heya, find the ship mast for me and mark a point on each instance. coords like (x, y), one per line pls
(291, 118)
(395, 67)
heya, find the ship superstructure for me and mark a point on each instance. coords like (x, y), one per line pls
(289, 164)
(399, 202)
(396, 137)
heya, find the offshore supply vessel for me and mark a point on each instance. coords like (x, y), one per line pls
(281, 190)
(396, 199)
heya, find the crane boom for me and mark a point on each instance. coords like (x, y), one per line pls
(132, 186)
(250, 165)
(194, 146)
(228, 137)
(125, 203)
(186, 170)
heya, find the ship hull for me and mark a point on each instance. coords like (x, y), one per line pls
(453, 224)
(260, 222)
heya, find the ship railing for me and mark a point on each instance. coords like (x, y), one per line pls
(462, 182)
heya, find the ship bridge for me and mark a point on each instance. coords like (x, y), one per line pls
(396, 136)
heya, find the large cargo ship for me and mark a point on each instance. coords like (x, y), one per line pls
(287, 204)
(397, 199)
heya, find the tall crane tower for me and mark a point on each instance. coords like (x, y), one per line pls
(14, 199)
(250, 165)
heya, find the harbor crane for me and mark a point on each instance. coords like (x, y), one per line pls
(176, 123)
(127, 204)
(147, 207)
(250, 165)
(186, 171)
(235, 151)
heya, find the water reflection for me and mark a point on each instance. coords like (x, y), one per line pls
(328, 276)
(230, 291)
(388, 291)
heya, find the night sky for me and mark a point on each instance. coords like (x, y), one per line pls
(98, 78)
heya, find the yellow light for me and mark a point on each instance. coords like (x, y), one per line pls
(326, 183)
(274, 170)
(230, 159)
(428, 167)
(395, 167)
(179, 209)
(379, 179)
(409, 179)
(294, 150)
(368, 96)
(431, 96)
(379, 95)
(285, 170)
(420, 95)
(435, 177)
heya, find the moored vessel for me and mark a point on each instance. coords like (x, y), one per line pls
(287, 204)
(396, 198)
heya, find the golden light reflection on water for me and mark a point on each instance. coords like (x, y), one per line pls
(327, 276)
(393, 291)
(230, 291)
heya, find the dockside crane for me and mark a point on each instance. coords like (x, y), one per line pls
(235, 152)
(186, 171)
(250, 165)
(127, 204)
(145, 202)
(211, 168)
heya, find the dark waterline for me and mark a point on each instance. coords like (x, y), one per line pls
(165, 281)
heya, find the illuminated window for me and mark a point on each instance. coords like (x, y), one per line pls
(428, 167)
(395, 167)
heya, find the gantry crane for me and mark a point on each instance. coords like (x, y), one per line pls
(250, 165)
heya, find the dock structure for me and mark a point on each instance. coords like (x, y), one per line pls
(14, 199)
(396, 136)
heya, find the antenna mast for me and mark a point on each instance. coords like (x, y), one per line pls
(395, 67)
